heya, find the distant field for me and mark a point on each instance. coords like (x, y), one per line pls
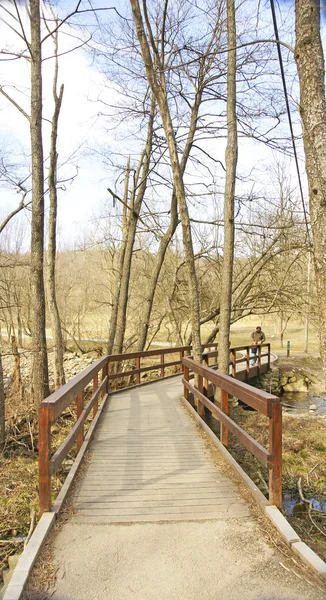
(95, 326)
(294, 333)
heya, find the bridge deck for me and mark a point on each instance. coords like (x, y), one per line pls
(147, 464)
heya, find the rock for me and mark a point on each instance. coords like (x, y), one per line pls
(313, 407)
(283, 381)
(298, 386)
(288, 374)
(300, 509)
(292, 379)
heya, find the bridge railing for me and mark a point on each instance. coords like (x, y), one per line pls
(99, 374)
(265, 403)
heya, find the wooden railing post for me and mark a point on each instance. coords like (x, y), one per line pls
(224, 432)
(137, 365)
(79, 407)
(200, 406)
(259, 359)
(95, 386)
(233, 359)
(105, 373)
(162, 367)
(275, 448)
(186, 377)
(44, 450)
(205, 382)
(181, 357)
(247, 363)
(268, 357)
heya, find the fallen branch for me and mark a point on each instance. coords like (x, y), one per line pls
(309, 508)
(31, 527)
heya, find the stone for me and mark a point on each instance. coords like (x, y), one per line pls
(283, 381)
(288, 374)
(292, 379)
(313, 407)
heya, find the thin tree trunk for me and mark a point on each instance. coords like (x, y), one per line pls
(158, 87)
(310, 62)
(116, 284)
(306, 327)
(139, 188)
(152, 284)
(39, 379)
(231, 157)
(166, 239)
(2, 409)
(59, 374)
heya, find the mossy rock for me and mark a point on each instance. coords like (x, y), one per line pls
(288, 374)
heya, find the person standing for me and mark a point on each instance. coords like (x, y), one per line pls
(258, 338)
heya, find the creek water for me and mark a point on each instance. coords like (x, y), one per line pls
(292, 505)
(299, 402)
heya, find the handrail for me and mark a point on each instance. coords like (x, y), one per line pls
(74, 391)
(265, 403)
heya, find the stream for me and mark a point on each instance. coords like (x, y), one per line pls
(297, 402)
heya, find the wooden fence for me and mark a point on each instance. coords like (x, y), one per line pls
(99, 374)
(261, 401)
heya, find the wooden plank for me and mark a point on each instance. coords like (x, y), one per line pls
(100, 519)
(157, 510)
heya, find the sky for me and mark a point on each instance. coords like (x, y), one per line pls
(83, 199)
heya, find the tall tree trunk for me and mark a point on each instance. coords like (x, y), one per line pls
(166, 239)
(156, 80)
(120, 256)
(310, 62)
(59, 374)
(231, 157)
(138, 193)
(152, 284)
(2, 409)
(306, 326)
(40, 379)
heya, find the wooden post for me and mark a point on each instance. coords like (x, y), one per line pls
(80, 406)
(259, 359)
(44, 451)
(247, 363)
(162, 367)
(224, 434)
(137, 369)
(200, 406)
(95, 386)
(105, 372)
(186, 377)
(275, 448)
(268, 357)
(233, 359)
(181, 357)
(205, 381)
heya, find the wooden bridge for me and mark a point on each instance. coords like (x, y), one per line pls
(156, 513)
(126, 436)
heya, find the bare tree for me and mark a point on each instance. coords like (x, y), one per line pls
(311, 68)
(2, 409)
(59, 374)
(231, 157)
(40, 378)
(155, 73)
